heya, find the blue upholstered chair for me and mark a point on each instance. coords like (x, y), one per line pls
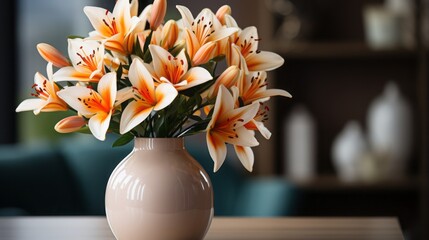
(35, 181)
(91, 162)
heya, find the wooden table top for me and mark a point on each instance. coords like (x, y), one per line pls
(96, 228)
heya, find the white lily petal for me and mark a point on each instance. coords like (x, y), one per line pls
(186, 16)
(96, 16)
(248, 39)
(122, 14)
(245, 138)
(123, 95)
(263, 96)
(144, 15)
(140, 77)
(81, 47)
(159, 59)
(262, 129)
(230, 21)
(107, 88)
(263, 61)
(32, 104)
(134, 114)
(222, 33)
(165, 94)
(224, 102)
(99, 124)
(71, 96)
(195, 76)
(134, 7)
(245, 154)
(70, 74)
(49, 71)
(217, 149)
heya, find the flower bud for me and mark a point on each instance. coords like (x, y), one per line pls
(157, 14)
(70, 124)
(204, 54)
(170, 33)
(52, 55)
(228, 78)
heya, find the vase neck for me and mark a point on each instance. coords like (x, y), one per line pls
(167, 144)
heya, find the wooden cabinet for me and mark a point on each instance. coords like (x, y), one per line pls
(336, 75)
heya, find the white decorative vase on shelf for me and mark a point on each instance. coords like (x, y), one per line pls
(159, 191)
(390, 130)
(300, 150)
(348, 150)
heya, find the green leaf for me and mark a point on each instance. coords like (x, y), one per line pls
(119, 72)
(147, 57)
(74, 36)
(84, 130)
(138, 49)
(124, 139)
(196, 118)
(196, 128)
(197, 90)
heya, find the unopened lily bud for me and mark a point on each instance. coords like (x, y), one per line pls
(157, 14)
(170, 33)
(228, 78)
(178, 47)
(204, 54)
(221, 12)
(70, 124)
(52, 55)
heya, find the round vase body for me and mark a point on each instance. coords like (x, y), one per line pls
(159, 191)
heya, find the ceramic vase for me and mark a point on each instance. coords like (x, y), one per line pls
(159, 191)
(390, 130)
(348, 150)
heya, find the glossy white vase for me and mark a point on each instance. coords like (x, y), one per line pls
(159, 191)
(348, 151)
(300, 148)
(390, 130)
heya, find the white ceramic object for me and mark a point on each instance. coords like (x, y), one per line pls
(382, 28)
(300, 150)
(159, 192)
(348, 150)
(390, 130)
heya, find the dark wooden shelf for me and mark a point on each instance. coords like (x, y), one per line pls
(333, 183)
(331, 50)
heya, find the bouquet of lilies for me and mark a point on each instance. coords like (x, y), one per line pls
(139, 76)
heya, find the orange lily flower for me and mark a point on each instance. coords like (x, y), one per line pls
(202, 30)
(46, 93)
(147, 97)
(87, 57)
(227, 126)
(166, 68)
(98, 105)
(118, 29)
(247, 45)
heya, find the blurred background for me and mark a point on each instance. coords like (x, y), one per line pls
(352, 142)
